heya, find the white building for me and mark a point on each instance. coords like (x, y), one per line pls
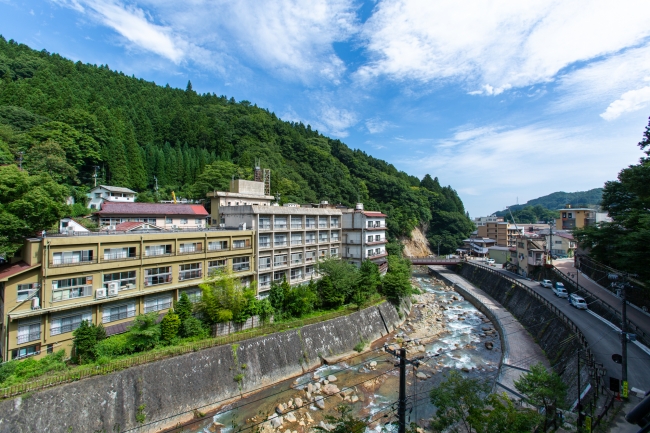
(68, 225)
(364, 236)
(481, 221)
(289, 239)
(99, 194)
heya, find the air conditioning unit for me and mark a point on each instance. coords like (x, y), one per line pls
(111, 228)
(222, 226)
(174, 226)
(113, 289)
(36, 303)
(100, 293)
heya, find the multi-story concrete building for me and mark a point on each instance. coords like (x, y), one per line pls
(503, 233)
(164, 215)
(104, 193)
(531, 254)
(290, 239)
(107, 277)
(364, 236)
(481, 221)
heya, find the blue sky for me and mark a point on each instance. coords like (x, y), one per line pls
(502, 100)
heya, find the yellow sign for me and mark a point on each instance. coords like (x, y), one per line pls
(588, 424)
(625, 390)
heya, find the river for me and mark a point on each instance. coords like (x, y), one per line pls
(443, 329)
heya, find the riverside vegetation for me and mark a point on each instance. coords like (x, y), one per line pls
(224, 299)
(65, 118)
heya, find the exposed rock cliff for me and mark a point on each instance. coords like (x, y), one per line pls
(417, 245)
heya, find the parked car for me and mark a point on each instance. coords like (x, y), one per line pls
(489, 261)
(560, 291)
(578, 302)
(546, 283)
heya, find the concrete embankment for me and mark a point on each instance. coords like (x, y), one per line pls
(161, 394)
(559, 340)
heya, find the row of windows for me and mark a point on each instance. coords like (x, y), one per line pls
(280, 240)
(294, 274)
(115, 221)
(296, 258)
(375, 238)
(297, 222)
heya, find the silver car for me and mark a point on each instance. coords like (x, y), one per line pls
(577, 302)
(560, 291)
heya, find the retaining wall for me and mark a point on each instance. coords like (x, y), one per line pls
(167, 392)
(556, 335)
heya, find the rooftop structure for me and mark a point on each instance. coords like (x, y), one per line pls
(163, 215)
(105, 193)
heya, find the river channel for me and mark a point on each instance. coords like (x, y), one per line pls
(443, 330)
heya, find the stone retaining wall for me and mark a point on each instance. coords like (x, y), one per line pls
(166, 392)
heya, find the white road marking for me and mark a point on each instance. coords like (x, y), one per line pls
(616, 328)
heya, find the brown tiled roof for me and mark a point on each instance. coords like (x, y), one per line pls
(374, 214)
(7, 271)
(159, 209)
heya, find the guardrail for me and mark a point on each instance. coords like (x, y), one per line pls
(83, 372)
(631, 326)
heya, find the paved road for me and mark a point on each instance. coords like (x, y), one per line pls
(602, 338)
(641, 319)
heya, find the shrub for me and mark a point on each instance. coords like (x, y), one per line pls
(192, 327)
(18, 371)
(113, 346)
(169, 326)
(183, 307)
(86, 337)
(144, 333)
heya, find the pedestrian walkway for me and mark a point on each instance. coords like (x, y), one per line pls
(519, 349)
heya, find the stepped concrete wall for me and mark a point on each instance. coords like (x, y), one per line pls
(167, 392)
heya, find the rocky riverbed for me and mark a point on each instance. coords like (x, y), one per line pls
(443, 330)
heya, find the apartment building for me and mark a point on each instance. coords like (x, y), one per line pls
(107, 277)
(477, 246)
(575, 218)
(561, 243)
(531, 254)
(481, 221)
(364, 236)
(105, 193)
(503, 233)
(164, 215)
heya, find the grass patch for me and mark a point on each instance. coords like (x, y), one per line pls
(361, 345)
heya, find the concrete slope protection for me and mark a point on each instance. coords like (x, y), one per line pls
(161, 394)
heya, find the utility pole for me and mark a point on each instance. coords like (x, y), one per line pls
(96, 167)
(550, 224)
(401, 408)
(579, 392)
(624, 338)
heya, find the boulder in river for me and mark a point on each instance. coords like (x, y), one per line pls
(489, 345)
(320, 403)
(331, 378)
(331, 389)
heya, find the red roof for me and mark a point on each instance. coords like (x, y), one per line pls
(7, 271)
(375, 214)
(158, 209)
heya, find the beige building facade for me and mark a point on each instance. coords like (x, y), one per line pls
(107, 278)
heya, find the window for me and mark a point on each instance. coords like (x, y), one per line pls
(563, 214)
(158, 250)
(322, 254)
(240, 264)
(322, 236)
(370, 224)
(377, 238)
(191, 247)
(265, 242)
(119, 253)
(309, 271)
(169, 221)
(296, 239)
(335, 236)
(280, 222)
(183, 220)
(125, 279)
(26, 291)
(278, 276)
(24, 352)
(265, 223)
(157, 304)
(377, 224)
(71, 257)
(334, 222)
(216, 266)
(29, 332)
(265, 280)
(194, 295)
(190, 271)
(310, 238)
(61, 325)
(558, 242)
(370, 238)
(71, 288)
(217, 245)
(296, 258)
(322, 222)
(198, 221)
(265, 262)
(296, 274)
(280, 260)
(310, 256)
(280, 240)
(155, 276)
(296, 222)
(243, 243)
(98, 195)
(334, 252)
(310, 222)
(118, 312)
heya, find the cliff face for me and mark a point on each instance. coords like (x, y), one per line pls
(417, 245)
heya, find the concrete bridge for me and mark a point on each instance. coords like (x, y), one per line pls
(434, 261)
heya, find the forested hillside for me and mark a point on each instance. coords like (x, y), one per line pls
(66, 119)
(558, 200)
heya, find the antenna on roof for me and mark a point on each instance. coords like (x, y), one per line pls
(258, 170)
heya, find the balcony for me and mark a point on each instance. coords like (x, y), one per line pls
(296, 226)
(280, 243)
(265, 226)
(265, 244)
(241, 267)
(280, 226)
(118, 316)
(263, 266)
(322, 240)
(264, 284)
(71, 262)
(310, 225)
(67, 293)
(62, 329)
(310, 241)
(374, 256)
(190, 275)
(296, 241)
(279, 264)
(158, 307)
(32, 336)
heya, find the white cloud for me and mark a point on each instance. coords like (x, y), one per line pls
(375, 126)
(335, 120)
(632, 100)
(494, 45)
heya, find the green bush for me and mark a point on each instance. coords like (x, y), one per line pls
(86, 337)
(113, 346)
(193, 328)
(144, 333)
(18, 371)
(169, 326)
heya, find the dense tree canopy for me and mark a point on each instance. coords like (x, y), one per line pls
(137, 133)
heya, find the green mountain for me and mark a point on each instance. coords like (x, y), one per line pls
(558, 200)
(67, 121)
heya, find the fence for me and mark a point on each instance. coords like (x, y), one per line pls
(83, 372)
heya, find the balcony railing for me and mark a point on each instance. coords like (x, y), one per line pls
(32, 336)
(296, 225)
(241, 267)
(322, 225)
(265, 226)
(190, 275)
(280, 243)
(296, 262)
(72, 262)
(335, 225)
(280, 226)
(62, 329)
(265, 283)
(310, 225)
(118, 316)
(322, 240)
(158, 307)
(266, 244)
(310, 240)
(296, 241)
(72, 293)
(278, 264)
(239, 247)
(264, 266)
(296, 277)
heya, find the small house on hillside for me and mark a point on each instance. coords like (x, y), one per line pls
(104, 193)
(68, 225)
(162, 215)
